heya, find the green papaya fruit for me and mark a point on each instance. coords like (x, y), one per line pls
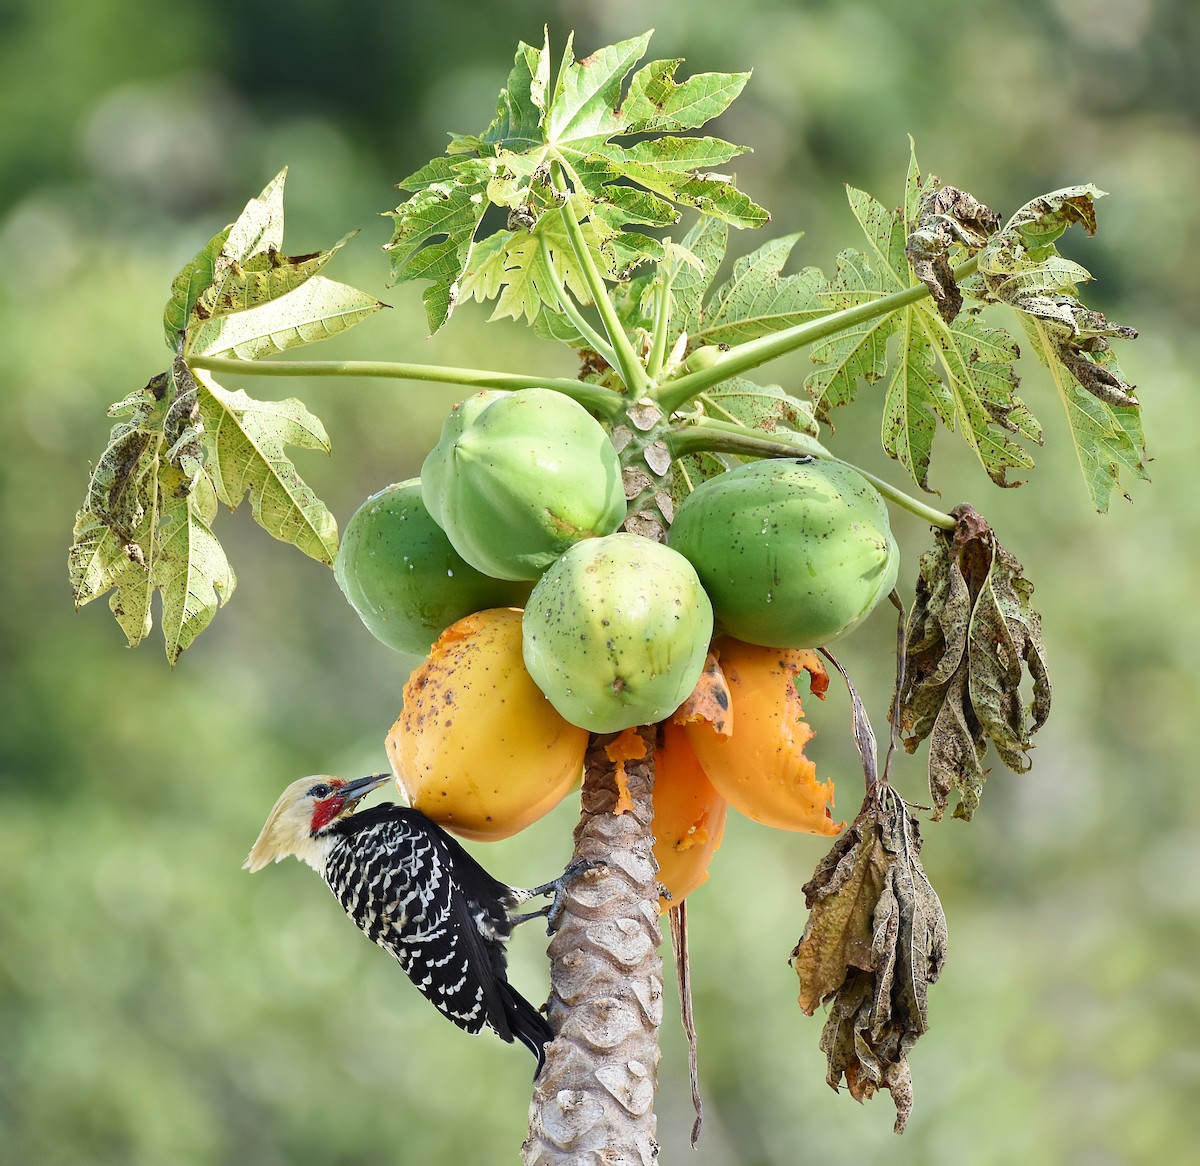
(408, 584)
(616, 632)
(518, 478)
(793, 552)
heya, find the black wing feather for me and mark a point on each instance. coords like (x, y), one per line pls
(419, 894)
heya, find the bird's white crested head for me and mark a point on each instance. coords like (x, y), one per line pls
(301, 819)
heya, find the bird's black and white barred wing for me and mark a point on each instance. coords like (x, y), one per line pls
(416, 892)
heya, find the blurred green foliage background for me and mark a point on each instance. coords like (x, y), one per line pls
(158, 1005)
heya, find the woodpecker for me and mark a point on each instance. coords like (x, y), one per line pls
(412, 889)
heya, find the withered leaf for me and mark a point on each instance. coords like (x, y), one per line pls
(971, 637)
(946, 216)
(841, 897)
(874, 942)
(1021, 267)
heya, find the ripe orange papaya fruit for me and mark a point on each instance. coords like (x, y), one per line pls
(689, 817)
(477, 747)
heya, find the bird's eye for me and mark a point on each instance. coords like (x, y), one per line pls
(320, 790)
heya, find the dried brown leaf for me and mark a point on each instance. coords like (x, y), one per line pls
(874, 942)
(971, 638)
(841, 898)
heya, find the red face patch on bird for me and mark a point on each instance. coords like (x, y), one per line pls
(328, 804)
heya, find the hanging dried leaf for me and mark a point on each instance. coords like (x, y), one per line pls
(874, 942)
(972, 635)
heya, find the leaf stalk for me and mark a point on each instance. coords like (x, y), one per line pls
(594, 397)
(741, 358)
(566, 305)
(700, 434)
(626, 363)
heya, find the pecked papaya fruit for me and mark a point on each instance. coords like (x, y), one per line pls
(689, 817)
(518, 478)
(408, 584)
(793, 552)
(616, 632)
(755, 759)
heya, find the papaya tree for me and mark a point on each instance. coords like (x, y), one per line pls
(638, 573)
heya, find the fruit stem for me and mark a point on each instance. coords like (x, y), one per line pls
(597, 398)
(676, 393)
(698, 434)
(627, 363)
(567, 306)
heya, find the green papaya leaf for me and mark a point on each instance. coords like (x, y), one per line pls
(758, 299)
(950, 369)
(189, 566)
(860, 352)
(144, 525)
(763, 407)
(146, 522)
(259, 228)
(317, 310)
(241, 294)
(549, 142)
(693, 268)
(244, 441)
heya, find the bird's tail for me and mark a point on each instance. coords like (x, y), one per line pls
(527, 1024)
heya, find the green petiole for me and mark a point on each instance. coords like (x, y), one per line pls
(704, 434)
(600, 400)
(741, 358)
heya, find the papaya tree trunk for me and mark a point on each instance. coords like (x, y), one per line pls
(594, 1100)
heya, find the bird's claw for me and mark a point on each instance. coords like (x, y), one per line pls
(554, 909)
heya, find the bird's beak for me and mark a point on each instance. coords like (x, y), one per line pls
(352, 791)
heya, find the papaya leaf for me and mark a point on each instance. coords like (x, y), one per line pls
(946, 217)
(763, 407)
(317, 310)
(187, 287)
(693, 269)
(950, 369)
(1021, 267)
(146, 522)
(114, 528)
(241, 294)
(855, 353)
(548, 142)
(971, 638)
(758, 299)
(244, 445)
(508, 267)
(184, 443)
(189, 567)
(259, 228)
(144, 525)
(916, 398)
(874, 943)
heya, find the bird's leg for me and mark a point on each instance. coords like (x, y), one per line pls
(553, 910)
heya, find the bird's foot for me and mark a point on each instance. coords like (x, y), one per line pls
(553, 910)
